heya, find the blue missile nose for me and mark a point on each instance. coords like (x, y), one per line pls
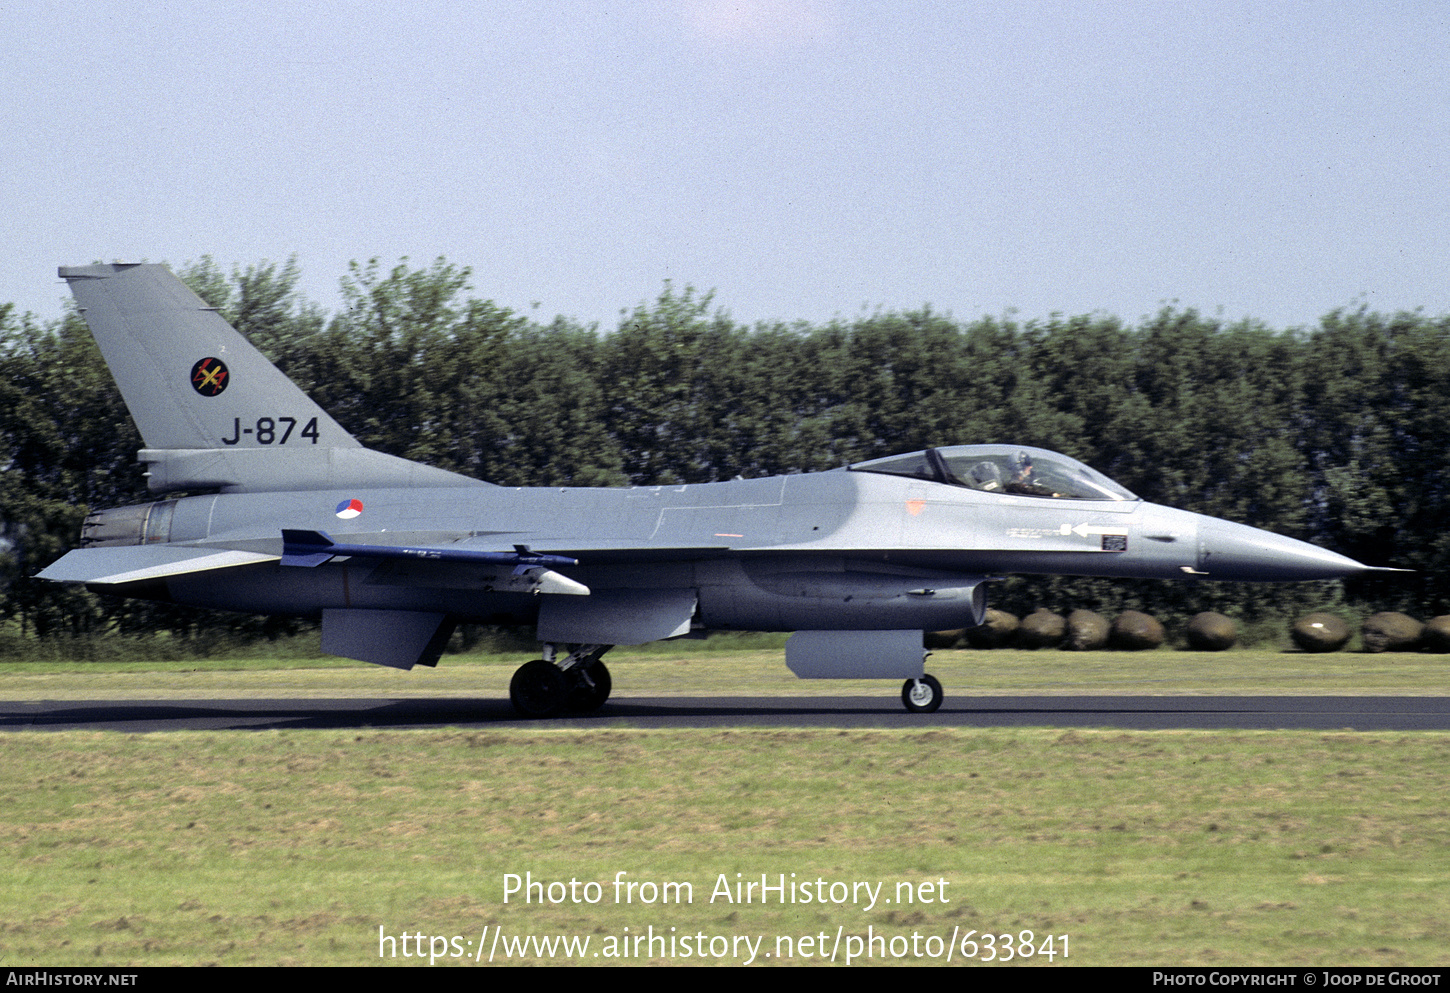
(1239, 552)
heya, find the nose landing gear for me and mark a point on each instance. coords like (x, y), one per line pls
(922, 696)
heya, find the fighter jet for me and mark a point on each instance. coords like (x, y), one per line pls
(295, 517)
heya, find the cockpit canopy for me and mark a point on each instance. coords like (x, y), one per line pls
(1002, 469)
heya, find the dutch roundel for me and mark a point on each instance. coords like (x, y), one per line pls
(349, 509)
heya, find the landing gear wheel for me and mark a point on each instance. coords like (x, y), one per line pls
(922, 696)
(591, 688)
(539, 689)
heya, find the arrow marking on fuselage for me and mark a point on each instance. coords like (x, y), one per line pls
(1083, 530)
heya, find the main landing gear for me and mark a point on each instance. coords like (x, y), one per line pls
(922, 696)
(579, 684)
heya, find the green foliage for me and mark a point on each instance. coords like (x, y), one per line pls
(665, 377)
(538, 420)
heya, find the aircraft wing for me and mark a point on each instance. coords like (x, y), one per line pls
(134, 563)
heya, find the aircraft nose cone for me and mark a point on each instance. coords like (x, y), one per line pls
(1239, 552)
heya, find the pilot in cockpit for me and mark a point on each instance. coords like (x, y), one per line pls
(1024, 479)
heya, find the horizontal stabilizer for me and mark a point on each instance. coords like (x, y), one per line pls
(135, 563)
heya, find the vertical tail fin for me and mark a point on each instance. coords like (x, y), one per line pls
(210, 407)
(189, 379)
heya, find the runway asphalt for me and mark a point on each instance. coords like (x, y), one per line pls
(1324, 713)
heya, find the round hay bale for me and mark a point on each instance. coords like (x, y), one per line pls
(1041, 629)
(1390, 631)
(995, 630)
(938, 640)
(1212, 632)
(1134, 631)
(1087, 631)
(1437, 634)
(1320, 633)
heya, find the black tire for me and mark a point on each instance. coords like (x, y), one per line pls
(922, 696)
(539, 689)
(585, 698)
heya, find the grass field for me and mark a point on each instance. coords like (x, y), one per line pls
(1140, 848)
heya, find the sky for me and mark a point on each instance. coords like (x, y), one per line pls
(803, 159)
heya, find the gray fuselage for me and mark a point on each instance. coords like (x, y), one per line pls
(842, 549)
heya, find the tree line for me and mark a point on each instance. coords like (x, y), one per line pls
(1338, 434)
